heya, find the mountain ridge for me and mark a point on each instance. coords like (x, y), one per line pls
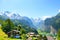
(31, 22)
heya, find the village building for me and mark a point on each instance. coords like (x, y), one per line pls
(14, 34)
(31, 34)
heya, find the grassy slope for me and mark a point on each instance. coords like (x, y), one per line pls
(3, 36)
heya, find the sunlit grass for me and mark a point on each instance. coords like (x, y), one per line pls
(14, 39)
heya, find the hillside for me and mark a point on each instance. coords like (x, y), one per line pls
(54, 22)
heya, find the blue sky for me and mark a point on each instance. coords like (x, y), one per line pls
(31, 8)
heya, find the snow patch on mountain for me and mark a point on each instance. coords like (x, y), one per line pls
(11, 15)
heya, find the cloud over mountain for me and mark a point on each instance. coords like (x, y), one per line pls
(44, 17)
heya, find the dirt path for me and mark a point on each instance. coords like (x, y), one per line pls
(29, 38)
(50, 38)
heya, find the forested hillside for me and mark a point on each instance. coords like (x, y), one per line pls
(54, 22)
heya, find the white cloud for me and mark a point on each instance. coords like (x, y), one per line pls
(44, 17)
(59, 10)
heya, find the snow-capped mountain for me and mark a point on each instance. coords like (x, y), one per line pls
(15, 17)
(10, 15)
(25, 22)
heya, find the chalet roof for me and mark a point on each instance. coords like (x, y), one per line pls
(31, 33)
(15, 30)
